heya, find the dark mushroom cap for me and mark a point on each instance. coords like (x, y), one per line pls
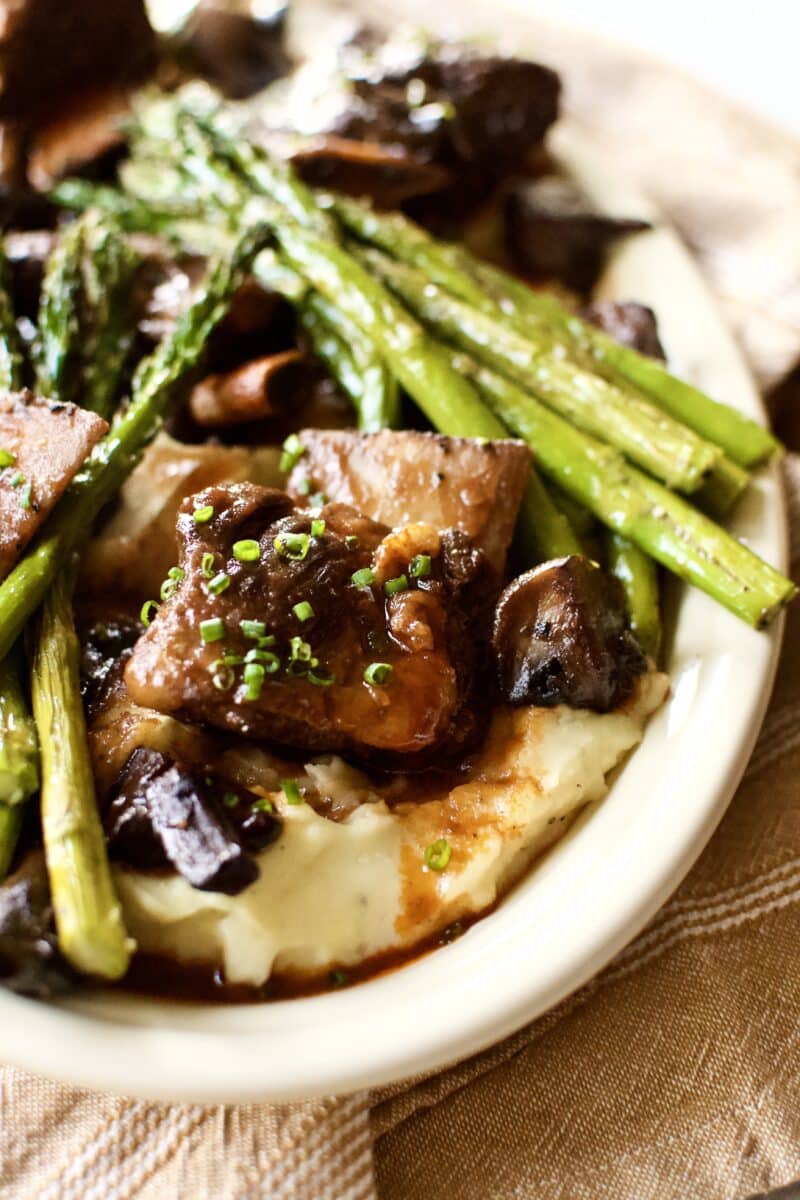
(561, 636)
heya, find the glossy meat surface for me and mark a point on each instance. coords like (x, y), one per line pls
(327, 628)
(48, 442)
(401, 477)
(629, 323)
(561, 636)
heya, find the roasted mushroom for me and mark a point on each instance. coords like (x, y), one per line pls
(266, 387)
(30, 961)
(629, 323)
(554, 232)
(160, 815)
(561, 636)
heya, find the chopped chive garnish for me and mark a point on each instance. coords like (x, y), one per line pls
(230, 800)
(339, 978)
(25, 496)
(304, 487)
(262, 805)
(317, 527)
(219, 583)
(252, 629)
(303, 611)
(147, 612)
(292, 545)
(378, 673)
(393, 586)
(248, 550)
(320, 680)
(437, 855)
(270, 661)
(207, 565)
(291, 791)
(17, 479)
(351, 541)
(253, 676)
(170, 585)
(231, 659)
(7, 459)
(212, 630)
(223, 675)
(363, 578)
(299, 651)
(293, 451)
(269, 640)
(420, 566)
(203, 514)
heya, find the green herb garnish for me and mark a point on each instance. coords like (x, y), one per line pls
(212, 630)
(303, 610)
(437, 855)
(7, 459)
(253, 676)
(420, 566)
(317, 527)
(292, 545)
(378, 673)
(246, 551)
(291, 791)
(393, 586)
(203, 514)
(219, 584)
(147, 612)
(363, 578)
(293, 451)
(252, 629)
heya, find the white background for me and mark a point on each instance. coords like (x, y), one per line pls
(749, 49)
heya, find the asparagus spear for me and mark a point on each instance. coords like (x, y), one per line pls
(115, 456)
(663, 525)
(493, 292)
(553, 533)
(11, 359)
(638, 575)
(19, 758)
(353, 362)
(11, 817)
(642, 432)
(91, 932)
(85, 314)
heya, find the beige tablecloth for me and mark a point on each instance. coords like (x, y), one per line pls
(675, 1073)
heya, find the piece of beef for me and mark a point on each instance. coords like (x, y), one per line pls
(305, 686)
(160, 815)
(627, 322)
(105, 648)
(49, 48)
(561, 636)
(30, 961)
(44, 444)
(554, 232)
(400, 477)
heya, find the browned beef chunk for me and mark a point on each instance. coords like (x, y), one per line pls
(161, 816)
(30, 961)
(240, 47)
(561, 636)
(46, 443)
(85, 130)
(302, 677)
(400, 477)
(48, 48)
(629, 323)
(553, 232)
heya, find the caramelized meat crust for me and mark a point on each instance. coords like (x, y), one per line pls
(561, 636)
(47, 443)
(383, 663)
(399, 477)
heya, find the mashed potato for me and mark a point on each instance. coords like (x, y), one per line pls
(333, 892)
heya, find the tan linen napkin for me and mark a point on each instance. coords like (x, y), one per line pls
(674, 1074)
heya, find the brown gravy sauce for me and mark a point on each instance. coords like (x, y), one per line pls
(164, 978)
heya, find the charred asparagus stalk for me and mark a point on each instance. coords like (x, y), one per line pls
(645, 435)
(113, 459)
(86, 314)
(553, 532)
(638, 575)
(89, 922)
(495, 292)
(663, 525)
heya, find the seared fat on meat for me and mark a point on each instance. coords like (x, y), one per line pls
(397, 478)
(44, 444)
(319, 629)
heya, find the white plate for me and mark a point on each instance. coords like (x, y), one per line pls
(564, 922)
